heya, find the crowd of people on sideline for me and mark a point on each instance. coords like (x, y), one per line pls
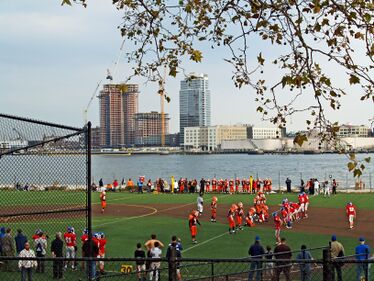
(38, 246)
(271, 264)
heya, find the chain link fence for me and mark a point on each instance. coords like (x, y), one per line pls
(44, 175)
(323, 269)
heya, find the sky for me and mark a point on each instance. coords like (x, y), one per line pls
(53, 57)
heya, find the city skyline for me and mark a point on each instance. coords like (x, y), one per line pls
(59, 54)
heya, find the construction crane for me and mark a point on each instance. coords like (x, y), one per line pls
(162, 101)
(109, 77)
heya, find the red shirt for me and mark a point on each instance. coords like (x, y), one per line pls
(295, 206)
(84, 238)
(278, 222)
(102, 243)
(306, 198)
(301, 199)
(70, 239)
(192, 221)
(351, 210)
(213, 205)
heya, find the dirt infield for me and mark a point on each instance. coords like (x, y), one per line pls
(321, 220)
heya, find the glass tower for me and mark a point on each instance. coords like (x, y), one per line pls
(194, 103)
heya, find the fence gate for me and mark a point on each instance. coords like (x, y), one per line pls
(44, 177)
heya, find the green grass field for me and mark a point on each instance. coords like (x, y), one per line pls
(214, 242)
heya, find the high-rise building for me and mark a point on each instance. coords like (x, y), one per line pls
(111, 116)
(194, 103)
(130, 108)
(148, 128)
(118, 105)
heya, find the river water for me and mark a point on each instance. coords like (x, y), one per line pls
(276, 167)
(70, 169)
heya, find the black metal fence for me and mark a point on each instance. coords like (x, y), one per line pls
(194, 269)
(44, 178)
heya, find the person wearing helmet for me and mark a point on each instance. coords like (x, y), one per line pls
(213, 208)
(70, 241)
(193, 221)
(102, 244)
(350, 210)
(103, 201)
(250, 217)
(231, 218)
(239, 216)
(277, 225)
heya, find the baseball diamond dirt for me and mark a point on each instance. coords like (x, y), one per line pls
(320, 220)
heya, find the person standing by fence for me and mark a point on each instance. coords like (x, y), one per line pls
(20, 239)
(282, 252)
(155, 265)
(40, 250)
(26, 265)
(337, 251)
(57, 252)
(305, 267)
(256, 251)
(8, 248)
(362, 253)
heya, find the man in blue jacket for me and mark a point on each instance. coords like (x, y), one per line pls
(20, 241)
(362, 254)
(256, 251)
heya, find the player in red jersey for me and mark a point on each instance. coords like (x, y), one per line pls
(231, 218)
(213, 208)
(70, 241)
(207, 186)
(214, 185)
(193, 221)
(239, 216)
(250, 217)
(220, 185)
(103, 201)
(306, 199)
(231, 184)
(278, 225)
(102, 243)
(237, 184)
(301, 200)
(350, 210)
(294, 211)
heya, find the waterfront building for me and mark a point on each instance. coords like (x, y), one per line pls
(265, 133)
(148, 128)
(118, 105)
(95, 137)
(210, 138)
(351, 131)
(194, 103)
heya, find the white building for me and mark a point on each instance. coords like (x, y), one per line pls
(265, 133)
(351, 131)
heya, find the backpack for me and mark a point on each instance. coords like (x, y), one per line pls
(39, 248)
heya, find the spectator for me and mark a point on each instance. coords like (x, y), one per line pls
(176, 246)
(91, 250)
(8, 247)
(334, 186)
(269, 262)
(130, 185)
(115, 185)
(256, 251)
(302, 186)
(362, 253)
(288, 184)
(140, 186)
(26, 265)
(101, 184)
(337, 251)
(2, 234)
(202, 185)
(282, 251)
(305, 268)
(57, 252)
(140, 265)
(155, 265)
(40, 250)
(20, 241)
(149, 245)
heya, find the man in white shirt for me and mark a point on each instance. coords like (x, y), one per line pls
(200, 202)
(155, 254)
(26, 265)
(316, 187)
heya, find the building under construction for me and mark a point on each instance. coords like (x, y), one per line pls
(148, 128)
(118, 106)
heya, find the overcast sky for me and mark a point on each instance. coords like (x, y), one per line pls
(52, 57)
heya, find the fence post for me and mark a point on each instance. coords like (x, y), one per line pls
(327, 276)
(172, 264)
(212, 273)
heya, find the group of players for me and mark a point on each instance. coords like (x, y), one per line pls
(245, 185)
(258, 213)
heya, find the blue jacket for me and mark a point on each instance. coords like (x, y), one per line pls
(362, 252)
(20, 242)
(256, 250)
